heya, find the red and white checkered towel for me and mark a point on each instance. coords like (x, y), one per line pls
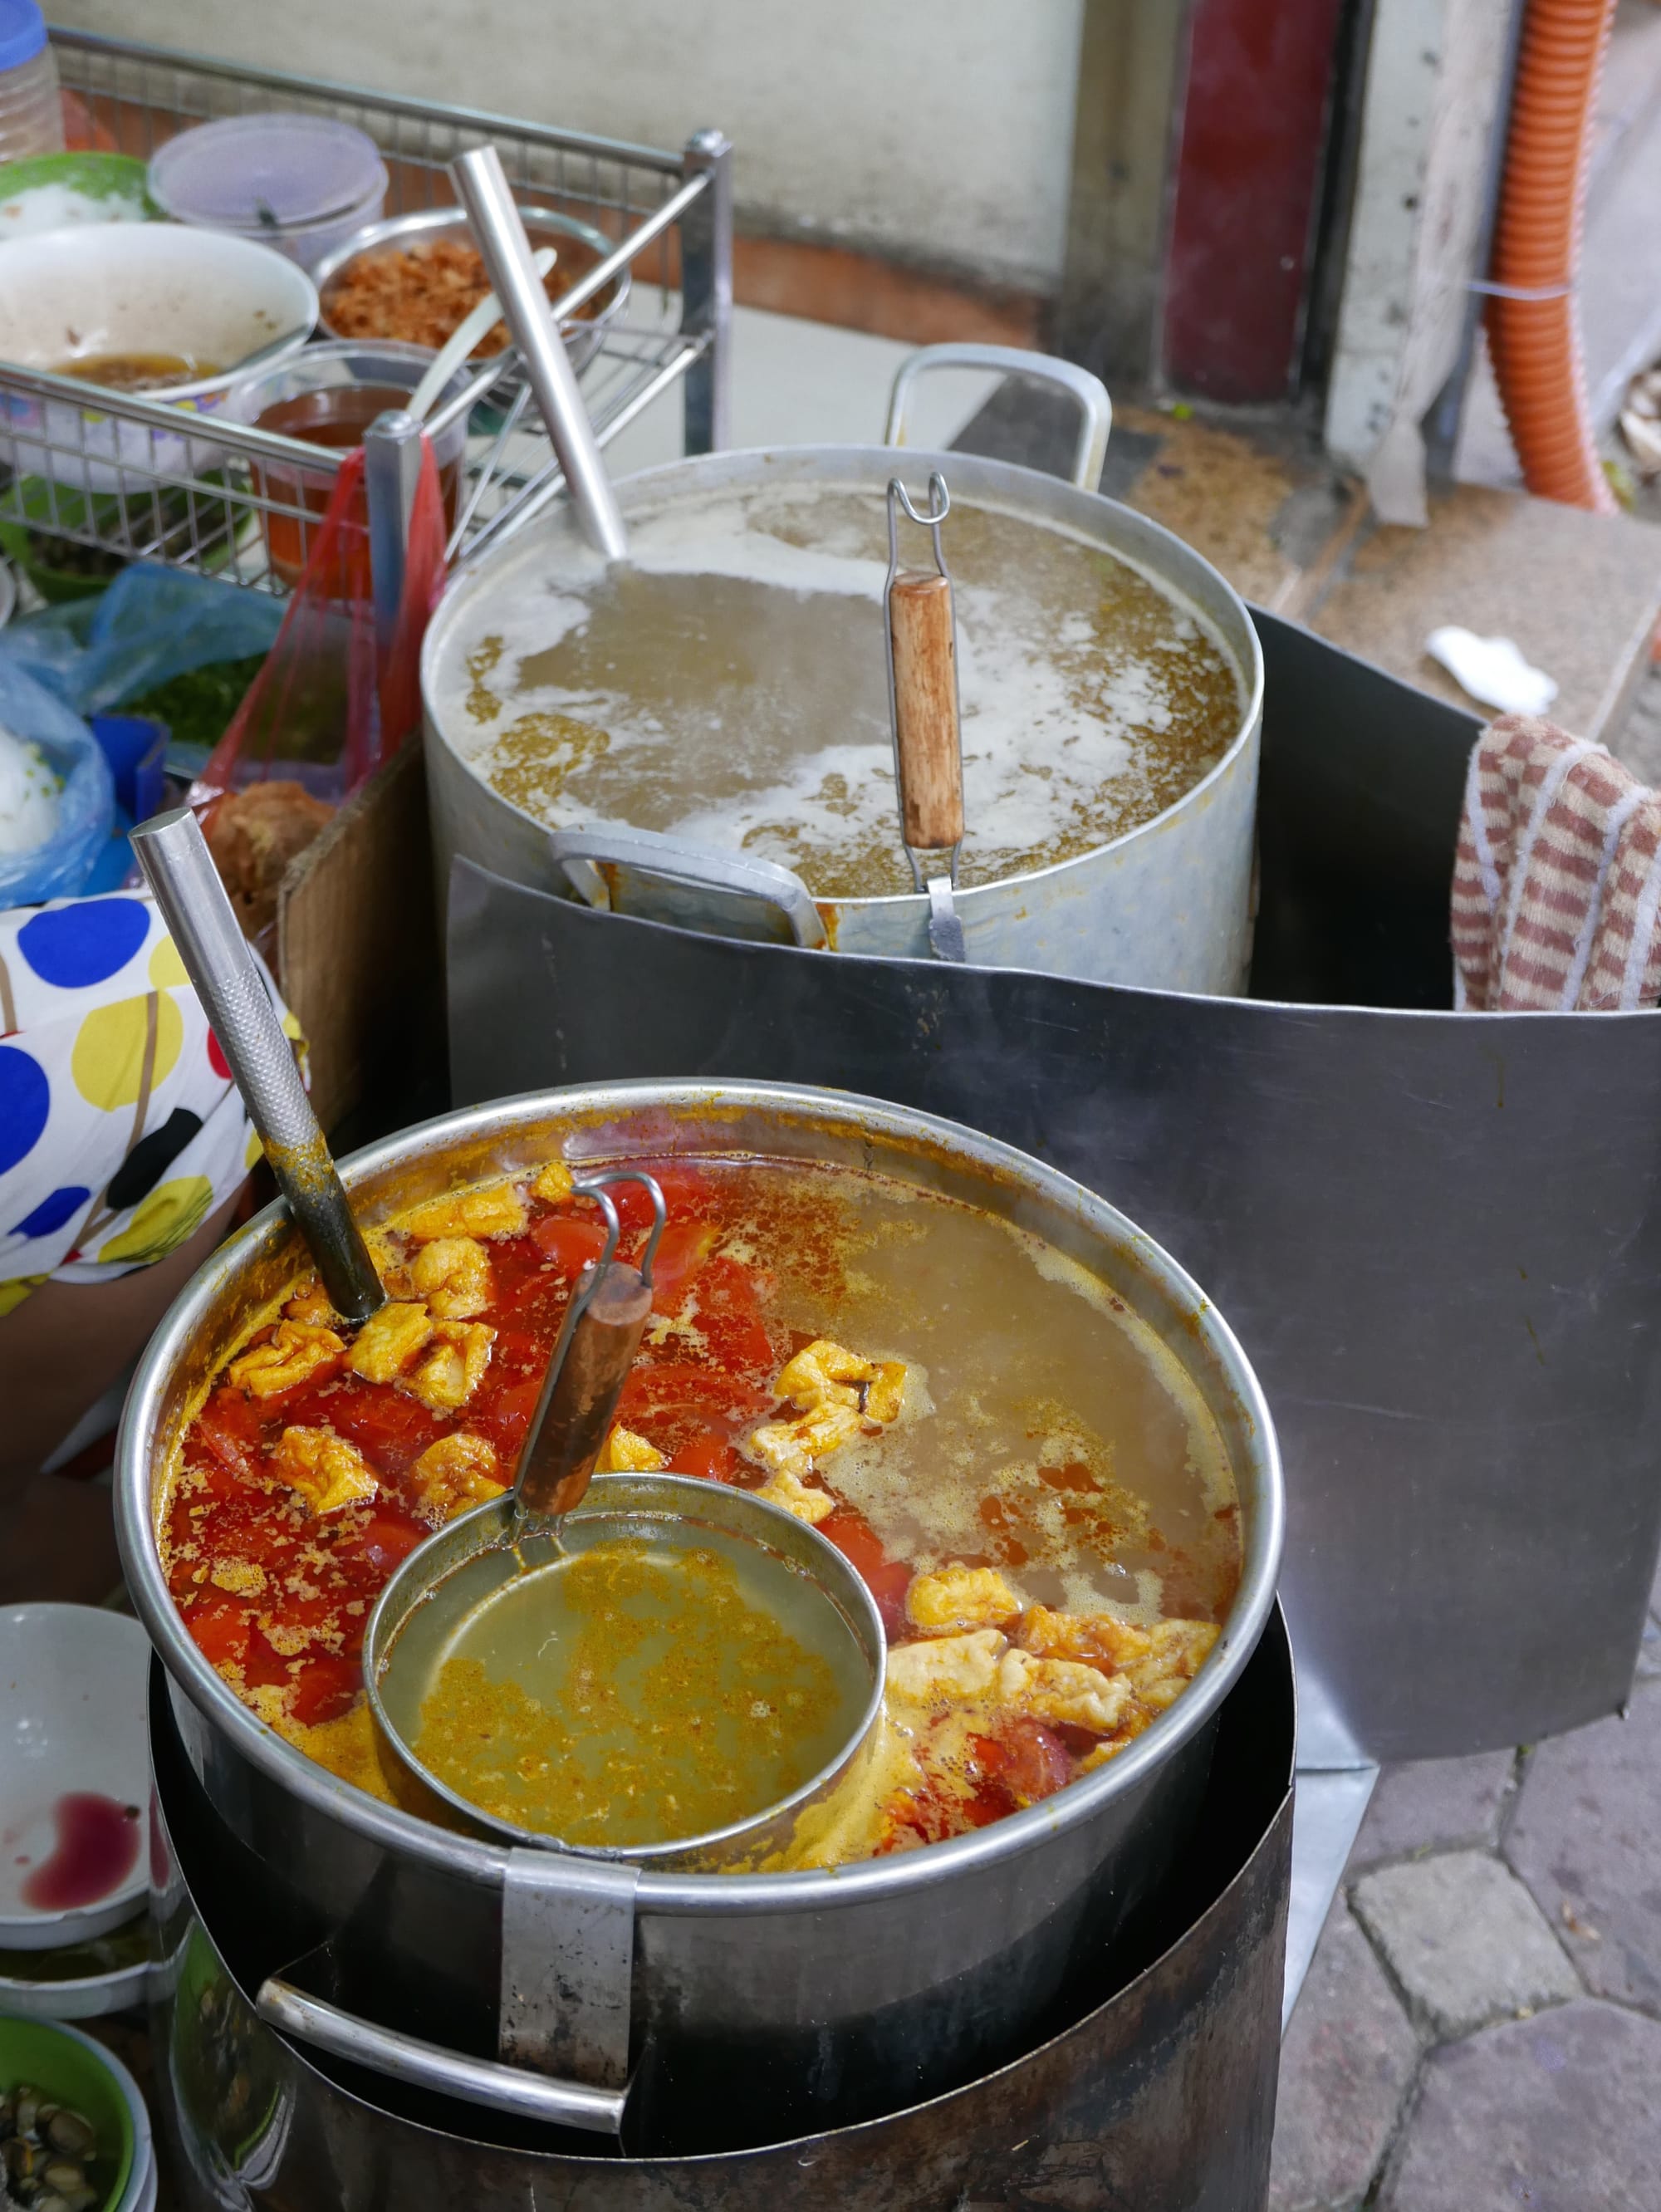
(1557, 884)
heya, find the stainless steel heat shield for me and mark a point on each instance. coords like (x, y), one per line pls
(1438, 1235)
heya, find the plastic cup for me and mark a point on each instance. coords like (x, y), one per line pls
(328, 396)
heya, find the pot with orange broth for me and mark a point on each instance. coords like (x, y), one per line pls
(1019, 1421)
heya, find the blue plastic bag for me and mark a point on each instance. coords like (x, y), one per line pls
(63, 866)
(154, 623)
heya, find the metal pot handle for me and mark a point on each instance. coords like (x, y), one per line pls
(584, 856)
(1090, 392)
(427, 2066)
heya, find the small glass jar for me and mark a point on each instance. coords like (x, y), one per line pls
(31, 106)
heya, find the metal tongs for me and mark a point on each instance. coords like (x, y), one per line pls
(920, 631)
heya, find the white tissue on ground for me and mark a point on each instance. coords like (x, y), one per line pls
(30, 796)
(1492, 670)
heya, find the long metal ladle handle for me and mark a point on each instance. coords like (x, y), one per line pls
(173, 854)
(482, 186)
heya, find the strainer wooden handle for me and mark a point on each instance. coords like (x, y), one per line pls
(927, 742)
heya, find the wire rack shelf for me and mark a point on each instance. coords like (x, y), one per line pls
(121, 477)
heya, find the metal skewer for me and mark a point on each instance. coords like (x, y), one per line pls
(179, 870)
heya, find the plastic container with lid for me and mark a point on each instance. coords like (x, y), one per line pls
(301, 183)
(31, 108)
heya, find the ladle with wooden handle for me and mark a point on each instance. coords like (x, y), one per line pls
(178, 868)
(586, 1376)
(921, 635)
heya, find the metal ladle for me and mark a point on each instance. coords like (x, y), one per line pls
(179, 870)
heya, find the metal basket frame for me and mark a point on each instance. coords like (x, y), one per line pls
(123, 475)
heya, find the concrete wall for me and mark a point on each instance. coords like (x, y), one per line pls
(939, 129)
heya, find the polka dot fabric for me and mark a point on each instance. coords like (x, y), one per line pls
(120, 1129)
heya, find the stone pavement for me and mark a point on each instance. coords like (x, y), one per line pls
(1481, 2028)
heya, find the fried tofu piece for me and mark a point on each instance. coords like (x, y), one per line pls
(624, 1453)
(388, 1341)
(960, 1597)
(948, 1670)
(294, 1352)
(885, 1393)
(826, 1374)
(497, 1210)
(823, 1373)
(793, 1447)
(1095, 1637)
(797, 1497)
(454, 1474)
(1178, 1648)
(452, 1273)
(1063, 1692)
(310, 1303)
(554, 1183)
(453, 1371)
(326, 1471)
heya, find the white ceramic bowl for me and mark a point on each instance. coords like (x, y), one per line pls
(72, 1724)
(144, 288)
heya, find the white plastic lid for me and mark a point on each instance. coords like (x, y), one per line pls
(257, 173)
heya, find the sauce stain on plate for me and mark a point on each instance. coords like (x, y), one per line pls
(95, 1851)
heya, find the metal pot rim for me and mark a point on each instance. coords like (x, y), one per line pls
(863, 1880)
(977, 474)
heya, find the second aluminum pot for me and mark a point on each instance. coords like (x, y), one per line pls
(1164, 906)
(581, 1994)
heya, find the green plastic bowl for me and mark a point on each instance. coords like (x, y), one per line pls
(71, 2070)
(71, 189)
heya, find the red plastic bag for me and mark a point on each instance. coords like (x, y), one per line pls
(333, 700)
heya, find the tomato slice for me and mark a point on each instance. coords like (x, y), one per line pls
(384, 1544)
(390, 1429)
(1026, 1758)
(229, 1427)
(686, 1190)
(262, 1663)
(729, 1314)
(888, 1580)
(709, 1455)
(702, 1395)
(326, 1688)
(683, 1250)
(570, 1244)
(219, 1630)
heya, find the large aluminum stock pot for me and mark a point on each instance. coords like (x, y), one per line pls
(579, 1993)
(1164, 905)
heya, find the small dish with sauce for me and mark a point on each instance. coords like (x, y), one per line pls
(74, 1774)
(328, 397)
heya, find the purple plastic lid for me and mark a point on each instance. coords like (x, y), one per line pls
(251, 171)
(23, 33)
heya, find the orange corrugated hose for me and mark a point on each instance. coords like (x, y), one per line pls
(1536, 343)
